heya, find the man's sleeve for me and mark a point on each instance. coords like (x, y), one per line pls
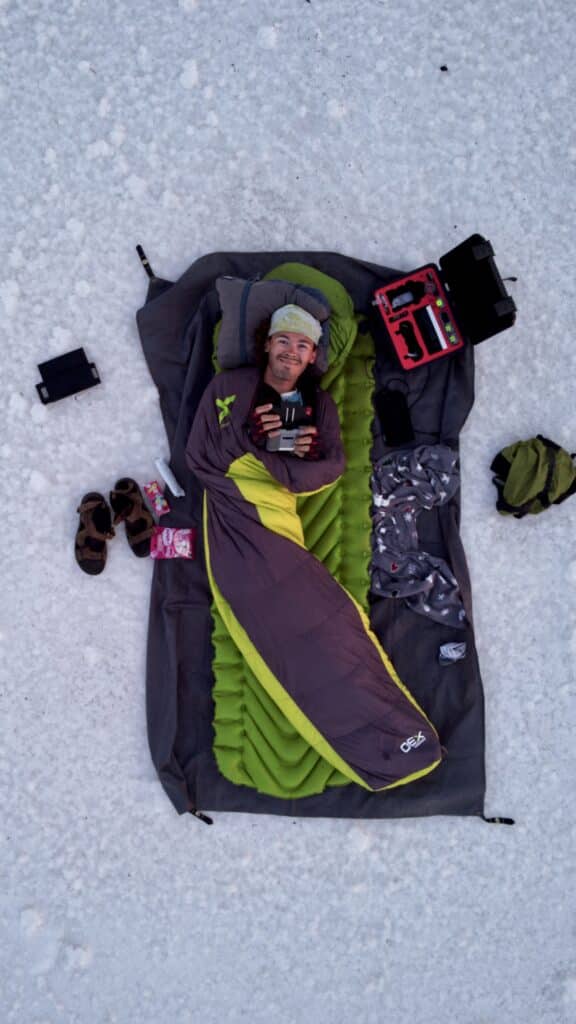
(202, 453)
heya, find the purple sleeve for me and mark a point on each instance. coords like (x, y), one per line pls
(203, 450)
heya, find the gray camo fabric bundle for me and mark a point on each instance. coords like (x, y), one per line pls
(403, 484)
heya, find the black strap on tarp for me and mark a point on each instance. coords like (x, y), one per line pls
(201, 816)
(145, 262)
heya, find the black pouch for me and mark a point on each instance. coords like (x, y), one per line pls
(394, 416)
(66, 375)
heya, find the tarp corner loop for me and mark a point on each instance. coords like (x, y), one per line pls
(144, 261)
(201, 816)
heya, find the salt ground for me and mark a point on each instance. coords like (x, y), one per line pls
(201, 125)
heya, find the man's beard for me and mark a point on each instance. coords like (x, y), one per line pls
(286, 370)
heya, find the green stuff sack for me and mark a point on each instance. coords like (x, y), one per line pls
(532, 475)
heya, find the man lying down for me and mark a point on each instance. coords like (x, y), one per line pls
(261, 436)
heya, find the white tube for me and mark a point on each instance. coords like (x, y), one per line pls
(169, 478)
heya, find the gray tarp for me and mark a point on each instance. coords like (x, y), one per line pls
(176, 326)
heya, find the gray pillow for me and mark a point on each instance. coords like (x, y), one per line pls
(245, 304)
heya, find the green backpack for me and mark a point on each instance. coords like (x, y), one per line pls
(532, 475)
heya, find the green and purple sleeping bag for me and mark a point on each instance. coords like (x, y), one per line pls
(305, 696)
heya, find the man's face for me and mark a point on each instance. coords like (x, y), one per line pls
(289, 354)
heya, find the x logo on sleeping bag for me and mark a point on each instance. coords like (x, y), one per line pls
(223, 405)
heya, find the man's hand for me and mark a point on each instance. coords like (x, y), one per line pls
(264, 423)
(306, 443)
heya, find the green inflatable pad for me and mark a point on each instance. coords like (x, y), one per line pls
(254, 744)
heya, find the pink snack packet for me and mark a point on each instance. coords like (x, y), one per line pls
(169, 542)
(155, 496)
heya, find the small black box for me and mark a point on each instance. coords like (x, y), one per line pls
(66, 375)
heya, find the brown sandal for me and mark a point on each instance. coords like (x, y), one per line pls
(128, 504)
(94, 529)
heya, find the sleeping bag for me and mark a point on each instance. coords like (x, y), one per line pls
(308, 643)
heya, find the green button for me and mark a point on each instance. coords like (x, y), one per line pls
(439, 302)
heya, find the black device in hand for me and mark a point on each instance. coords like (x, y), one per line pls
(294, 414)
